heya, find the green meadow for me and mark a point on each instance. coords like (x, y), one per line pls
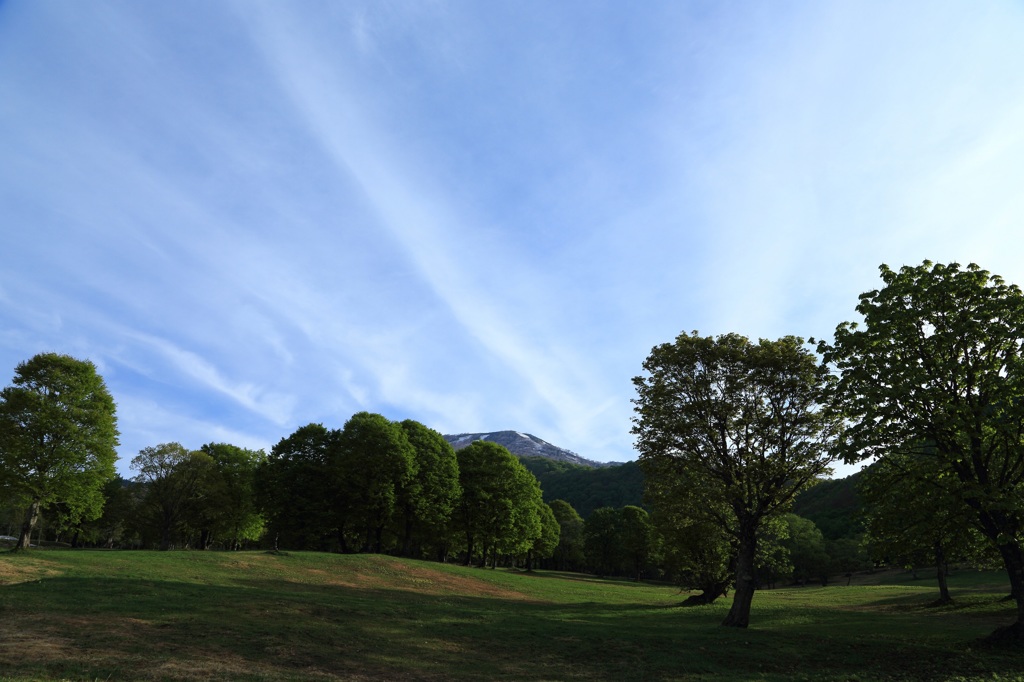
(99, 615)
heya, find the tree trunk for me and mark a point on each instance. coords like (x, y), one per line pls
(739, 614)
(1013, 558)
(707, 596)
(940, 568)
(31, 516)
(407, 533)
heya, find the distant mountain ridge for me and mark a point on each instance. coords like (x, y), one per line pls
(525, 445)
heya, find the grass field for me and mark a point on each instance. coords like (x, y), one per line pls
(99, 615)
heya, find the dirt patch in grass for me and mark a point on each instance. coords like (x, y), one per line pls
(414, 578)
(13, 572)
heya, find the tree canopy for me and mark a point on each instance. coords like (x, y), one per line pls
(936, 371)
(742, 424)
(498, 510)
(58, 431)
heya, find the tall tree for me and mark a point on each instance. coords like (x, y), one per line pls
(173, 478)
(374, 461)
(568, 554)
(229, 511)
(295, 488)
(427, 500)
(602, 541)
(497, 512)
(937, 371)
(58, 431)
(638, 538)
(807, 550)
(743, 424)
(915, 518)
(545, 543)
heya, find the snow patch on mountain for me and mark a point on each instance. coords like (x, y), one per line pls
(524, 445)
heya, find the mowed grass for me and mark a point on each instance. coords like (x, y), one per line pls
(100, 615)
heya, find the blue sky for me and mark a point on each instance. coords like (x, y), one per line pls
(256, 215)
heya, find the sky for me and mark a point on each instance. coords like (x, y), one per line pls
(479, 215)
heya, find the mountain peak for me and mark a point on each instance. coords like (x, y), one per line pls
(523, 445)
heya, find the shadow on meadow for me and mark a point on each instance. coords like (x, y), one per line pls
(270, 628)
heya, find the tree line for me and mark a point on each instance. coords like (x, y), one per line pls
(929, 385)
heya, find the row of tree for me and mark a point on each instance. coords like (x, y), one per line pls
(372, 486)
(931, 384)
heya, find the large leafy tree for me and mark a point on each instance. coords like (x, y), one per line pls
(937, 371)
(914, 516)
(546, 542)
(295, 488)
(58, 431)
(173, 478)
(568, 554)
(229, 512)
(602, 541)
(697, 545)
(743, 424)
(806, 549)
(639, 539)
(374, 462)
(498, 509)
(428, 498)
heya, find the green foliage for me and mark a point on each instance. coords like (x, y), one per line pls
(602, 541)
(808, 553)
(58, 431)
(741, 427)
(228, 508)
(173, 479)
(546, 543)
(568, 554)
(915, 518)
(937, 372)
(638, 538)
(429, 498)
(295, 489)
(498, 510)
(373, 462)
(586, 488)
(834, 505)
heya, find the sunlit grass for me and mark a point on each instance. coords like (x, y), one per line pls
(259, 616)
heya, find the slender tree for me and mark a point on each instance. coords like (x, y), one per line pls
(936, 371)
(743, 424)
(602, 541)
(58, 431)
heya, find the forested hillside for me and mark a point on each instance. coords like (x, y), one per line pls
(586, 488)
(834, 506)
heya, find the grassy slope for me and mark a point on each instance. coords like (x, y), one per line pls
(140, 615)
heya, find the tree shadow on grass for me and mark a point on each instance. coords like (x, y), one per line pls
(125, 628)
